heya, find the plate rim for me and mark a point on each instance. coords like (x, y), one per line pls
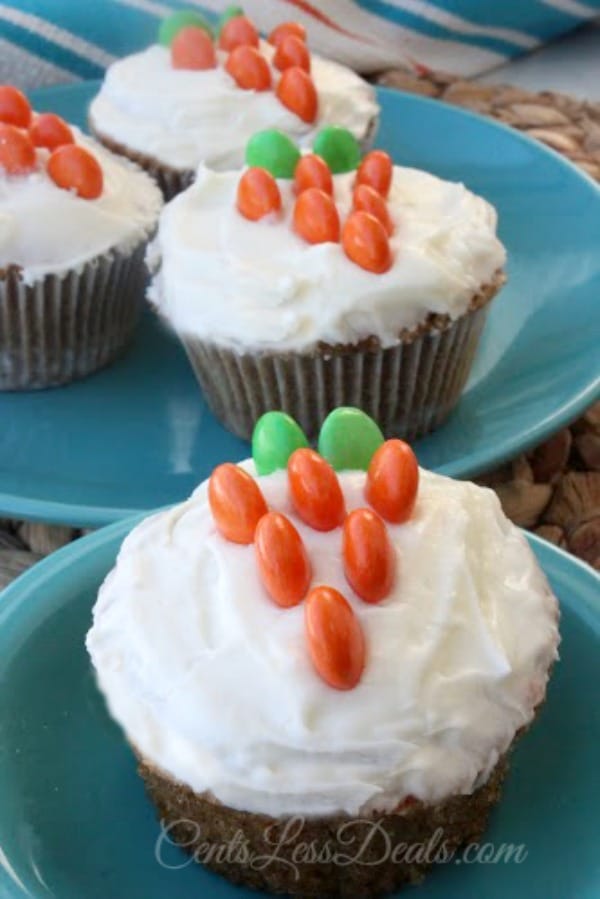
(93, 515)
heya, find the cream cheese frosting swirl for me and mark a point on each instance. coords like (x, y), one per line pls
(258, 285)
(47, 230)
(212, 682)
(181, 117)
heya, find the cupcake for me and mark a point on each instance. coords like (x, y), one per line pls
(318, 279)
(197, 97)
(319, 646)
(74, 224)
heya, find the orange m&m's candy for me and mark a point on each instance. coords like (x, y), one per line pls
(315, 490)
(236, 502)
(335, 638)
(50, 131)
(376, 170)
(369, 558)
(249, 69)
(283, 562)
(367, 199)
(237, 32)
(285, 30)
(17, 153)
(316, 218)
(74, 168)
(365, 242)
(192, 48)
(291, 51)
(393, 481)
(313, 171)
(15, 108)
(257, 194)
(297, 92)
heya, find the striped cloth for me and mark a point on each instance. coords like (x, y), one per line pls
(53, 41)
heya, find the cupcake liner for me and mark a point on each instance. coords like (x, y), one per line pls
(64, 327)
(409, 388)
(205, 828)
(171, 181)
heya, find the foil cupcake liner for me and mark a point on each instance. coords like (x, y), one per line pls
(65, 327)
(409, 388)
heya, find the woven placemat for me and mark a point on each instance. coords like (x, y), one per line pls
(554, 490)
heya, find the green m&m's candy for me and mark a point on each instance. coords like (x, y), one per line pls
(276, 436)
(231, 12)
(172, 25)
(338, 147)
(274, 151)
(349, 438)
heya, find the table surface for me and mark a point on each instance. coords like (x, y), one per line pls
(570, 65)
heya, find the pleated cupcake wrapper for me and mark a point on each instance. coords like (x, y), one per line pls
(409, 389)
(66, 326)
(173, 181)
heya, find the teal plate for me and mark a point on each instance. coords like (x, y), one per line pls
(74, 819)
(139, 435)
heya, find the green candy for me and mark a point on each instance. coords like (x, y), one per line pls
(349, 438)
(232, 12)
(172, 25)
(276, 436)
(274, 151)
(338, 147)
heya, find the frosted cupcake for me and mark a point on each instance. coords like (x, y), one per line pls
(74, 224)
(314, 280)
(314, 649)
(197, 97)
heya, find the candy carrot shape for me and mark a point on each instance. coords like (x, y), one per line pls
(335, 638)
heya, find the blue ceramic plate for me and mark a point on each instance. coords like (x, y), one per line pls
(74, 819)
(138, 435)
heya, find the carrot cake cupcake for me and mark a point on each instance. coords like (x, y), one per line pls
(321, 645)
(325, 277)
(197, 96)
(74, 224)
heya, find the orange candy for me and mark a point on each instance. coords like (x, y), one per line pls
(393, 481)
(74, 168)
(369, 559)
(316, 218)
(285, 30)
(192, 48)
(335, 638)
(297, 92)
(313, 171)
(17, 153)
(367, 199)
(238, 32)
(291, 51)
(236, 502)
(14, 107)
(315, 490)
(257, 194)
(249, 69)
(365, 242)
(283, 562)
(376, 170)
(50, 131)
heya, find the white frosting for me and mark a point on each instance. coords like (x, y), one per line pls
(48, 230)
(213, 683)
(258, 285)
(183, 117)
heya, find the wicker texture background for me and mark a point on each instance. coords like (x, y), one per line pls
(554, 490)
